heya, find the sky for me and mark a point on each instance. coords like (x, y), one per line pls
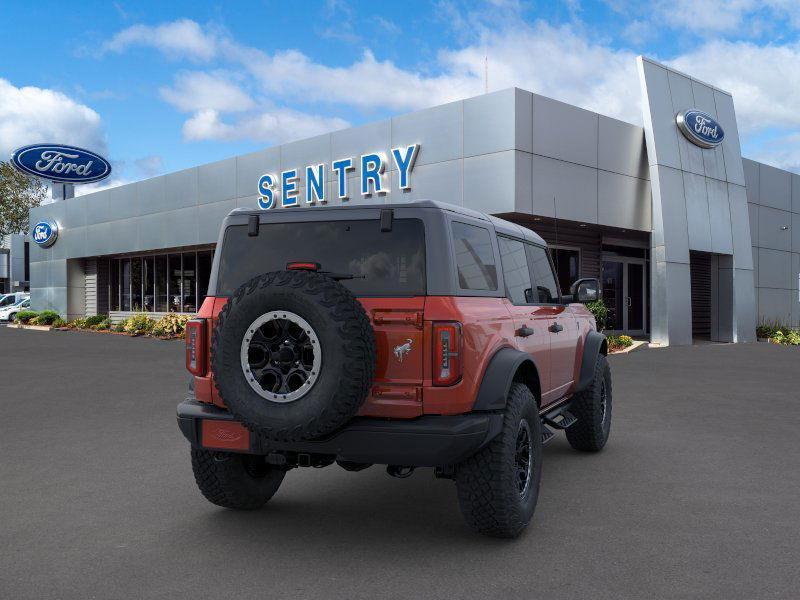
(160, 86)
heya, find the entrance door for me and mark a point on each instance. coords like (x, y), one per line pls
(625, 294)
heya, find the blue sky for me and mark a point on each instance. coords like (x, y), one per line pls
(159, 86)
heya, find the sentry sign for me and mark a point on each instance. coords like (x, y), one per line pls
(700, 128)
(284, 190)
(64, 164)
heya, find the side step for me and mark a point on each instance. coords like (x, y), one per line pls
(560, 418)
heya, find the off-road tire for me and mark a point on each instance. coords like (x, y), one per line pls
(488, 495)
(590, 432)
(347, 343)
(238, 481)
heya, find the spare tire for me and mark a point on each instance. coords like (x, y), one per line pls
(293, 355)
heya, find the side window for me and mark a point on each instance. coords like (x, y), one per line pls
(474, 257)
(515, 271)
(544, 281)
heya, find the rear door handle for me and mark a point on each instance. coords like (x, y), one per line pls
(524, 331)
(555, 328)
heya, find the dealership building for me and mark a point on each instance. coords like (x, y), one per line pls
(689, 240)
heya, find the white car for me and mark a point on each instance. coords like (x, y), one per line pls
(7, 313)
(7, 300)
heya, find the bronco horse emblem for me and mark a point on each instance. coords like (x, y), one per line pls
(403, 349)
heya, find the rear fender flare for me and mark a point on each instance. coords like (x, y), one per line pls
(594, 345)
(506, 366)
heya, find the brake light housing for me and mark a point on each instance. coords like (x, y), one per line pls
(448, 363)
(196, 347)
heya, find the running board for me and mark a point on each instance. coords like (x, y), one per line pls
(562, 420)
(547, 434)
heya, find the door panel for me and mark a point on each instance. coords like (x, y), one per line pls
(537, 344)
(613, 295)
(563, 345)
(635, 297)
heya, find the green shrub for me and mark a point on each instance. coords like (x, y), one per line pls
(46, 317)
(171, 325)
(59, 322)
(138, 324)
(95, 320)
(779, 333)
(119, 327)
(600, 311)
(103, 325)
(25, 316)
(620, 341)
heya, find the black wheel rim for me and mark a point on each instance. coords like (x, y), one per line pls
(603, 402)
(523, 458)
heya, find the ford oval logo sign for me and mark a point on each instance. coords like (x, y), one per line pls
(45, 233)
(700, 128)
(65, 164)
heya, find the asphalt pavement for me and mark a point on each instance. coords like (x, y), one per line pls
(695, 496)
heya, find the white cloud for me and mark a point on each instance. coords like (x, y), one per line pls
(198, 90)
(181, 38)
(30, 114)
(151, 165)
(275, 126)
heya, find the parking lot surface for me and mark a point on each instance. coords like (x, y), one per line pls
(695, 496)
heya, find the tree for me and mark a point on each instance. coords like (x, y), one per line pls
(18, 194)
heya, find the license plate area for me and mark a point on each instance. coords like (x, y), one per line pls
(224, 435)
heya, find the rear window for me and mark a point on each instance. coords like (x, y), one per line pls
(388, 263)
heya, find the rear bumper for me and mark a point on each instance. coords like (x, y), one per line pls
(428, 441)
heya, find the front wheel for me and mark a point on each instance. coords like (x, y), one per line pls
(238, 481)
(592, 407)
(498, 486)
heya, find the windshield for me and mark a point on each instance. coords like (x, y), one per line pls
(390, 263)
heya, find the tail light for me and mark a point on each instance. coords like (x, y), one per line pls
(303, 266)
(447, 363)
(196, 347)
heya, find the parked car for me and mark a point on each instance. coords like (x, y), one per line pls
(412, 335)
(7, 313)
(13, 298)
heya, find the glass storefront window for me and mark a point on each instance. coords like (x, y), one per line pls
(203, 273)
(174, 283)
(113, 296)
(161, 283)
(189, 282)
(136, 284)
(126, 285)
(148, 300)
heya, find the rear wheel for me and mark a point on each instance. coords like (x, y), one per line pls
(498, 487)
(239, 481)
(592, 408)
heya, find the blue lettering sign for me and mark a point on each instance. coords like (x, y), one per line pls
(315, 184)
(372, 167)
(700, 128)
(266, 191)
(44, 233)
(65, 164)
(404, 158)
(289, 188)
(341, 167)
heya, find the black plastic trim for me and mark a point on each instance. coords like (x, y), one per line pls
(427, 441)
(594, 344)
(498, 378)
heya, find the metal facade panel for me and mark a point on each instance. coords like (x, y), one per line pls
(153, 234)
(796, 193)
(771, 234)
(97, 208)
(795, 310)
(682, 99)
(489, 182)
(623, 201)
(774, 305)
(731, 149)
(564, 132)
(299, 154)
(442, 181)
(124, 236)
(489, 123)
(524, 121)
(751, 179)
(573, 187)
(660, 131)
(720, 213)
(353, 142)
(439, 131)
(752, 210)
(755, 266)
(795, 229)
(774, 268)
(75, 213)
(621, 148)
(740, 227)
(72, 244)
(250, 167)
(209, 217)
(713, 159)
(98, 239)
(181, 227)
(775, 187)
(679, 314)
(523, 186)
(216, 181)
(180, 189)
(669, 215)
(697, 215)
(123, 202)
(152, 195)
(794, 275)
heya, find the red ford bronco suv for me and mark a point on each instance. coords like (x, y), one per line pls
(408, 335)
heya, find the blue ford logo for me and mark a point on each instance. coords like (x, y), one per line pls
(44, 233)
(700, 128)
(65, 164)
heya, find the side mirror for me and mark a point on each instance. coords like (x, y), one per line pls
(584, 290)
